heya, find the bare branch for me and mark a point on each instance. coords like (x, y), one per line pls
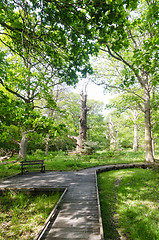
(124, 90)
(132, 38)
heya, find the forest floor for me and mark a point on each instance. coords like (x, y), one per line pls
(62, 161)
(129, 203)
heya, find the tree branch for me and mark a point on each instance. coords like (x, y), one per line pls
(124, 90)
(10, 28)
(132, 38)
(13, 92)
(121, 59)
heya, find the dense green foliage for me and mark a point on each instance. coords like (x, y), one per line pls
(44, 44)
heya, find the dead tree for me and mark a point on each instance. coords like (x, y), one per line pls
(81, 138)
(82, 123)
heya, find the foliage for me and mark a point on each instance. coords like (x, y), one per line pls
(131, 206)
(39, 30)
(70, 108)
(90, 147)
(17, 117)
(134, 68)
(125, 108)
(44, 44)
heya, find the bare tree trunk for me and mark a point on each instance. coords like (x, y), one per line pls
(82, 123)
(117, 140)
(112, 135)
(7, 157)
(148, 138)
(47, 144)
(135, 144)
(23, 147)
(153, 148)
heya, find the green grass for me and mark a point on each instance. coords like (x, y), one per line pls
(129, 203)
(61, 161)
(9, 169)
(22, 215)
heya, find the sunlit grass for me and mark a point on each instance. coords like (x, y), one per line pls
(129, 203)
(70, 162)
(9, 169)
(62, 161)
(22, 216)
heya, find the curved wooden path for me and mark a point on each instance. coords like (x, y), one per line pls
(78, 216)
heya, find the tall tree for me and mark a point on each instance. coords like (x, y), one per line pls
(28, 85)
(72, 110)
(82, 122)
(42, 47)
(135, 50)
(128, 104)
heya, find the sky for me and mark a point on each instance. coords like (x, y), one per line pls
(95, 92)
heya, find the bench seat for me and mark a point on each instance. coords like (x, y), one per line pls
(32, 164)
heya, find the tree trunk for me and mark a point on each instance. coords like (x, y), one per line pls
(153, 148)
(82, 123)
(112, 135)
(135, 144)
(47, 145)
(117, 140)
(23, 147)
(148, 138)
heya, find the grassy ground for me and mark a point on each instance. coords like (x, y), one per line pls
(62, 161)
(22, 216)
(129, 204)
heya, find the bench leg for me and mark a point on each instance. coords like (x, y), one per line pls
(43, 169)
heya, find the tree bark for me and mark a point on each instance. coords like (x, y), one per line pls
(23, 147)
(148, 137)
(112, 135)
(135, 144)
(82, 123)
(47, 145)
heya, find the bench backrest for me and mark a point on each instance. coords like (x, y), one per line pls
(32, 162)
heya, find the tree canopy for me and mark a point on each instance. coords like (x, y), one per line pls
(47, 43)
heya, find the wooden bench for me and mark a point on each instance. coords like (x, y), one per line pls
(32, 164)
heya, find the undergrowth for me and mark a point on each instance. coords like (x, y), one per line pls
(22, 215)
(61, 161)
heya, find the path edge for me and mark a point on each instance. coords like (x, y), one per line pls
(99, 208)
(51, 217)
(110, 168)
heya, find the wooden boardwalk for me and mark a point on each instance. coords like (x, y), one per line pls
(78, 217)
(79, 213)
